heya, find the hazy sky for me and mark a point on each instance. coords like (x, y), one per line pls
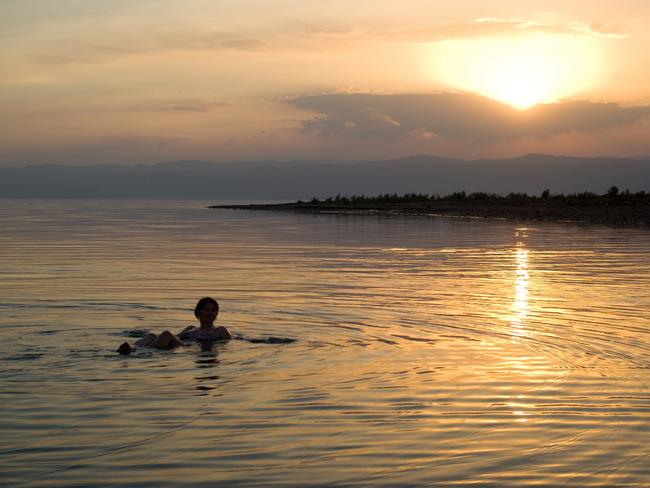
(117, 81)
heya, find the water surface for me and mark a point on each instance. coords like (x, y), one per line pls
(429, 352)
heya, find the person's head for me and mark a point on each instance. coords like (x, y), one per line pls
(206, 310)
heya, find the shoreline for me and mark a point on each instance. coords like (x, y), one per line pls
(613, 215)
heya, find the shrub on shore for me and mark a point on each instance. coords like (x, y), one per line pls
(613, 196)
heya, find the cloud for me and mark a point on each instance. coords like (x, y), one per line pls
(236, 44)
(479, 28)
(73, 50)
(188, 106)
(455, 115)
(99, 43)
(609, 30)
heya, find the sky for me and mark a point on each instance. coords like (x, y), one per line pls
(117, 81)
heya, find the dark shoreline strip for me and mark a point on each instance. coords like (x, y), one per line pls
(610, 215)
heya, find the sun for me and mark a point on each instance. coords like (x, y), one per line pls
(521, 72)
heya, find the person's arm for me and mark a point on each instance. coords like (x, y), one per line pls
(182, 334)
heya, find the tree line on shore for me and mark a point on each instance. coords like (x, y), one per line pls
(613, 196)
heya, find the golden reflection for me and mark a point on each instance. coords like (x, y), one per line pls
(520, 416)
(519, 306)
(523, 366)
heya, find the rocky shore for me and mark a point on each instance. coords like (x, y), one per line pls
(611, 213)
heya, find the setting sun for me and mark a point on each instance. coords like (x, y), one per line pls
(521, 72)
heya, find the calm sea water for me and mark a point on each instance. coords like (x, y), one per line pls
(429, 351)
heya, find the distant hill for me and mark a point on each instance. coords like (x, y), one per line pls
(531, 173)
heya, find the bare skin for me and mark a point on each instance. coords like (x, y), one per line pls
(207, 316)
(166, 340)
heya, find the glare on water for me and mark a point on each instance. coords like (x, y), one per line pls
(520, 304)
(428, 351)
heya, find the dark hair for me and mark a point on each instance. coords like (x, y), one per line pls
(202, 303)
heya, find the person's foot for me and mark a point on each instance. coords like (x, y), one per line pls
(125, 349)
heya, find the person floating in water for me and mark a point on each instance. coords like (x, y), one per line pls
(206, 312)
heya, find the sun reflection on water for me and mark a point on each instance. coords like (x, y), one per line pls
(520, 306)
(518, 312)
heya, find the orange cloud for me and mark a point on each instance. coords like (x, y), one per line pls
(456, 115)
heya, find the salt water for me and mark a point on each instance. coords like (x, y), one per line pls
(428, 351)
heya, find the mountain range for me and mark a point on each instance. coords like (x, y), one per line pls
(531, 174)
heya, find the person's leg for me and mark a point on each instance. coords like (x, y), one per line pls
(166, 340)
(146, 341)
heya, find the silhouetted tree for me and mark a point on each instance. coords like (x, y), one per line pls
(638, 198)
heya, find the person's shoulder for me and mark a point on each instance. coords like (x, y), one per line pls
(223, 333)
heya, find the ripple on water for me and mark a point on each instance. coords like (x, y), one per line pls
(427, 351)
